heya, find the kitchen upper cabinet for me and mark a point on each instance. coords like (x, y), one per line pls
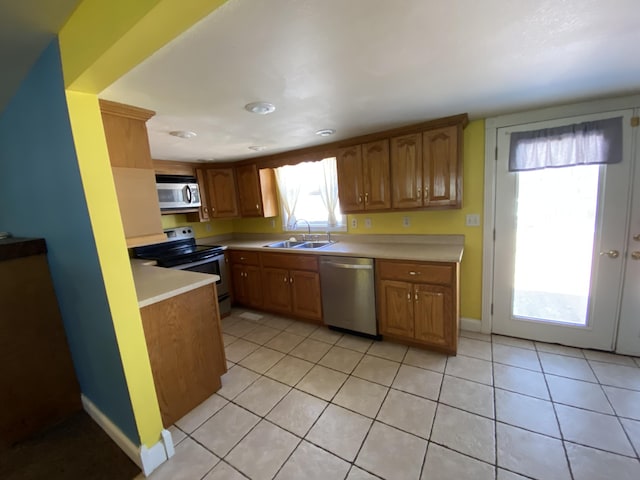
(184, 340)
(442, 174)
(246, 279)
(256, 191)
(426, 169)
(221, 191)
(406, 171)
(418, 303)
(202, 215)
(291, 285)
(133, 174)
(363, 177)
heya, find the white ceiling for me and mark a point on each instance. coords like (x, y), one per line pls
(26, 28)
(360, 66)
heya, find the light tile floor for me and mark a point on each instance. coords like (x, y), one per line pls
(301, 402)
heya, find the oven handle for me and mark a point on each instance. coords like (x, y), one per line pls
(217, 258)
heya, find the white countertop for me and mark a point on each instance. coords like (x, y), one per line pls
(154, 284)
(430, 249)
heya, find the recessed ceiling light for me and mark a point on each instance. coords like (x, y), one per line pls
(261, 108)
(183, 134)
(326, 132)
(257, 148)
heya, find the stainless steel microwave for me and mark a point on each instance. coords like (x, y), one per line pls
(177, 192)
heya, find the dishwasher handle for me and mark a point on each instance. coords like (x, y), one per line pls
(348, 266)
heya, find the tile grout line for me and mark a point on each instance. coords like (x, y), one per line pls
(495, 414)
(555, 412)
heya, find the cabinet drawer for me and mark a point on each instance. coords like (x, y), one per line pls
(290, 261)
(433, 273)
(244, 257)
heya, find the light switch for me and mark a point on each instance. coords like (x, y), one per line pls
(406, 221)
(367, 223)
(473, 220)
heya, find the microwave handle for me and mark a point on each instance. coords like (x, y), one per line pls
(189, 195)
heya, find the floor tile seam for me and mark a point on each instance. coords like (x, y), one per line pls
(464, 454)
(608, 362)
(469, 411)
(385, 358)
(530, 349)
(300, 440)
(433, 421)
(422, 368)
(555, 412)
(495, 415)
(589, 410)
(541, 370)
(461, 334)
(241, 391)
(619, 418)
(466, 355)
(467, 379)
(352, 374)
(573, 442)
(504, 389)
(633, 446)
(353, 464)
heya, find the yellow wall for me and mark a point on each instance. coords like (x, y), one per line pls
(445, 222)
(200, 229)
(100, 42)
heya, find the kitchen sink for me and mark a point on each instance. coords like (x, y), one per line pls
(303, 244)
(319, 244)
(285, 244)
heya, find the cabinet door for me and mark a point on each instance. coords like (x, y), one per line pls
(237, 284)
(305, 294)
(434, 315)
(202, 215)
(396, 308)
(442, 172)
(253, 286)
(221, 189)
(350, 182)
(276, 289)
(406, 171)
(377, 184)
(249, 195)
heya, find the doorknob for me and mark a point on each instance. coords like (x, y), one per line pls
(611, 253)
(636, 237)
(635, 255)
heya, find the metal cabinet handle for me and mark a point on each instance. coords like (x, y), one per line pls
(418, 197)
(409, 296)
(611, 254)
(635, 255)
(285, 279)
(359, 198)
(636, 237)
(366, 198)
(414, 273)
(416, 297)
(257, 207)
(426, 193)
(290, 279)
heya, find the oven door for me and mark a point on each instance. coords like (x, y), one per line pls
(213, 266)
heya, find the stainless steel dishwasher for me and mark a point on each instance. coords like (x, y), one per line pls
(348, 293)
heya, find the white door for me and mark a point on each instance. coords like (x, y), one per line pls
(629, 329)
(560, 238)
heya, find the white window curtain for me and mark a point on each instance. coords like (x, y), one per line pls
(329, 189)
(289, 190)
(587, 143)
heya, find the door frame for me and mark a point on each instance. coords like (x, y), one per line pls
(490, 170)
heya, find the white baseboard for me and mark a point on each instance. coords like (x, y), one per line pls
(470, 324)
(148, 459)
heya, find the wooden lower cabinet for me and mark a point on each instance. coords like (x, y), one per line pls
(184, 340)
(418, 303)
(246, 278)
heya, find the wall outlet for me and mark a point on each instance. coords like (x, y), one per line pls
(367, 223)
(472, 220)
(406, 221)
(207, 227)
(354, 223)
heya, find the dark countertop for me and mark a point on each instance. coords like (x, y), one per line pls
(16, 247)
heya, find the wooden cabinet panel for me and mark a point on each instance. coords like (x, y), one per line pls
(418, 303)
(139, 206)
(290, 261)
(182, 335)
(350, 179)
(253, 282)
(126, 134)
(221, 191)
(249, 195)
(277, 291)
(396, 304)
(237, 284)
(433, 314)
(305, 294)
(433, 273)
(203, 212)
(245, 257)
(376, 174)
(406, 171)
(442, 172)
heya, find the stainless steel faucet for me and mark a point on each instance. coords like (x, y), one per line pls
(308, 226)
